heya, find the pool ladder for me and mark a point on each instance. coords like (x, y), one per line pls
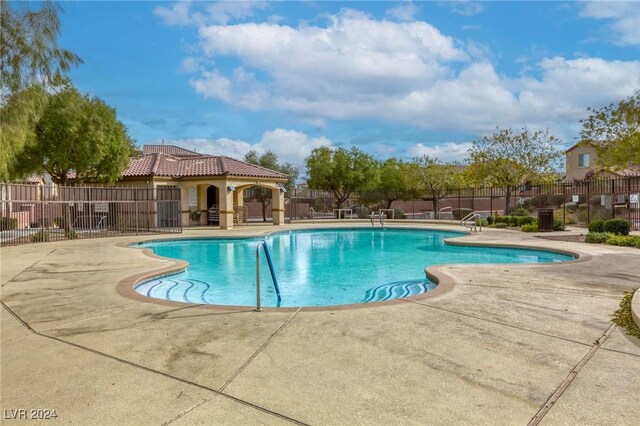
(263, 245)
(380, 217)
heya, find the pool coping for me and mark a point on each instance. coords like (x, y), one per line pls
(436, 273)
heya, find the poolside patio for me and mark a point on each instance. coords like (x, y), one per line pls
(509, 344)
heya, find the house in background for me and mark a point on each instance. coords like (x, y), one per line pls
(213, 185)
(581, 163)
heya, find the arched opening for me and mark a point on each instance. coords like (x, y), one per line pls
(213, 205)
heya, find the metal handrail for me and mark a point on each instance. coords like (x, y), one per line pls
(263, 244)
(445, 210)
(468, 218)
(380, 216)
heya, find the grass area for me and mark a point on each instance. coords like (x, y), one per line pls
(623, 318)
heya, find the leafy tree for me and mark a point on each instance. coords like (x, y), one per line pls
(510, 159)
(341, 171)
(435, 178)
(29, 51)
(617, 127)
(18, 119)
(269, 160)
(77, 139)
(395, 180)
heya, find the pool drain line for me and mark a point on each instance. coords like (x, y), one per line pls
(565, 384)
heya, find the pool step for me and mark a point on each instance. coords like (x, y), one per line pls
(186, 290)
(398, 289)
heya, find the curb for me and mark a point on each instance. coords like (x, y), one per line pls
(635, 307)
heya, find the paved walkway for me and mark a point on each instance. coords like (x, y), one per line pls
(512, 345)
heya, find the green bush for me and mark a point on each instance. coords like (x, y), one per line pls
(623, 240)
(596, 226)
(501, 225)
(527, 220)
(617, 226)
(458, 214)
(514, 221)
(503, 219)
(8, 223)
(597, 237)
(70, 234)
(558, 225)
(520, 212)
(482, 222)
(398, 213)
(490, 220)
(530, 227)
(362, 212)
(40, 236)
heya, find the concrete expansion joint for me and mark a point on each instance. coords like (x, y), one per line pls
(260, 349)
(535, 420)
(170, 376)
(494, 322)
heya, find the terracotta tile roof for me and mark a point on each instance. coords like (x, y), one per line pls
(34, 179)
(176, 151)
(158, 164)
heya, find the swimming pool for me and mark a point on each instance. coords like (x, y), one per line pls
(319, 267)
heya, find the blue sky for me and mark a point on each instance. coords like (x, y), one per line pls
(392, 78)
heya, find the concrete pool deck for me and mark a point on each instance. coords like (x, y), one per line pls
(509, 344)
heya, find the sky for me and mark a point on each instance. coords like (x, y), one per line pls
(394, 79)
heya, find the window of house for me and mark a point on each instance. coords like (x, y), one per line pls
(583, 160)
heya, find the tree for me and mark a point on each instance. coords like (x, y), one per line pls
(269, 160)
(77, 139)
(510, 159)
(29, 51)
(342, 172)
(617, 129)
(435, 178)
(395, 180)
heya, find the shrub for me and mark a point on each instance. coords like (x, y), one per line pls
(362, 212)
(503, 219)
(597, 237)
(398, 213)
(617, 226)
(489, 220)
(520, 212)
(482, 222)
(558, 225)
(8, 223)
(40, 236)
(501, 225)
(458, 214)
(623, 240)
(528, 220)
(596, 226)
(530, 227)
(70, 234)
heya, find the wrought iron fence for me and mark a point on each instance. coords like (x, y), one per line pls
(38, 213)
(574, 203)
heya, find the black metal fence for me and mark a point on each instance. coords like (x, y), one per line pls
(37, 213)
(574, 203)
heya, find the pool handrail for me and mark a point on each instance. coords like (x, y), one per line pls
(263, 244)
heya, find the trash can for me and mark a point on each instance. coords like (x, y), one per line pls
(545, 220)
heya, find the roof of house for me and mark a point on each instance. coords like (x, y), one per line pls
(583, 143)
(160, 164)
(173, 150)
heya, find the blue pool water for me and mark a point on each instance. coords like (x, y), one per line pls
(319, 267)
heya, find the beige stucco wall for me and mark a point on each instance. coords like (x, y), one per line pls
(575, 172)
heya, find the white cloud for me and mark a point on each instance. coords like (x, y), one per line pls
(447, 152)
(221, 12)
(357, 67)
(465, 8)
(289, 145)
(403, 12)
(624, 17)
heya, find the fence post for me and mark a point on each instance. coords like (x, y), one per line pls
(491, 201)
